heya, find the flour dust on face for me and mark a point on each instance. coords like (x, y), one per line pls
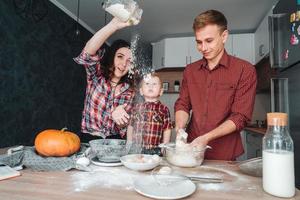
(151, 88)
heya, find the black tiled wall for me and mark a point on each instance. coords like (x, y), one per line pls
(41, 86)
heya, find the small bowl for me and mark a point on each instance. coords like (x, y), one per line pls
(252, 167)
(141, 162)
(190, 157)
(108, 150)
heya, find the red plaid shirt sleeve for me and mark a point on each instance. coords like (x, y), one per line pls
(90, 62)
(244, 99)
(167, 119)
(183, 102)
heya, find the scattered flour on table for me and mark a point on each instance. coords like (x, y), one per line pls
(123, 179)
(165, 170)
(106, 177)
(232, 180)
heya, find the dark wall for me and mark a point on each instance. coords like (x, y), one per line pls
(41, 87)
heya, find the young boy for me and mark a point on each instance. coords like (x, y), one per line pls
(150, 123)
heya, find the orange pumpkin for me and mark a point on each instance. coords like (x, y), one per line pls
(56, 143)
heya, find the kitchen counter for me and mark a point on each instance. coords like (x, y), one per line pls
(117, 183)
(256, 129)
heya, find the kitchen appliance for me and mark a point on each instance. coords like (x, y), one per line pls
(284, 32)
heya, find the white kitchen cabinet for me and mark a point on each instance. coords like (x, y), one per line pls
(193, 52)
(228, 44)
(157, 54)
(243, 46)
(174, 52)
(178, 52)
(262, 39)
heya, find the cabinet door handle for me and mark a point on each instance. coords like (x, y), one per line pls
(163, 61)
(186, 60)
(271, 40)
(247, 140)
(257, 152)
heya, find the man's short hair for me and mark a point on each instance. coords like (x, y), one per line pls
(210, 17)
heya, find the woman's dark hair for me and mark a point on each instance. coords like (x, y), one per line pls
(107, 62)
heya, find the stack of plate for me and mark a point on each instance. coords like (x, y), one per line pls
(149, 187)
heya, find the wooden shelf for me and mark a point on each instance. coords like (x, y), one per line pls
(171, 69)
(170, 92)
(256, 130)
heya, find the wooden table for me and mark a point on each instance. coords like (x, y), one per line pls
(117, 183)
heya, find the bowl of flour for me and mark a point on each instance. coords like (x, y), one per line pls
(184, 155)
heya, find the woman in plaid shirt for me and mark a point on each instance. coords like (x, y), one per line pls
(109, 91)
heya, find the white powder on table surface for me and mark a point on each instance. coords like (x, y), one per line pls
(184, 159)
(122, 178)
(106, 177)
(232, 180)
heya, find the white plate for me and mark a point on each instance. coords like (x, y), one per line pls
(95, 161)
(149, 187)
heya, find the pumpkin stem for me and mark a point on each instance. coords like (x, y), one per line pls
(63, 129)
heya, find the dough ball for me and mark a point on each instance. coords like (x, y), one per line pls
(155, 158)
(165, 171)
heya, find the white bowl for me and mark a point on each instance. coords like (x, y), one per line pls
(140, 162)
(187, 157)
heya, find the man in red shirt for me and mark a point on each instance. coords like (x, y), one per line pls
(218, 90)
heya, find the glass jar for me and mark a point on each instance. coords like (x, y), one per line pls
(278, 157)
(125, 10)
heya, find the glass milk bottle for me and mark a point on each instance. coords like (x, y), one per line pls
(125, 10)
(278, 157)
